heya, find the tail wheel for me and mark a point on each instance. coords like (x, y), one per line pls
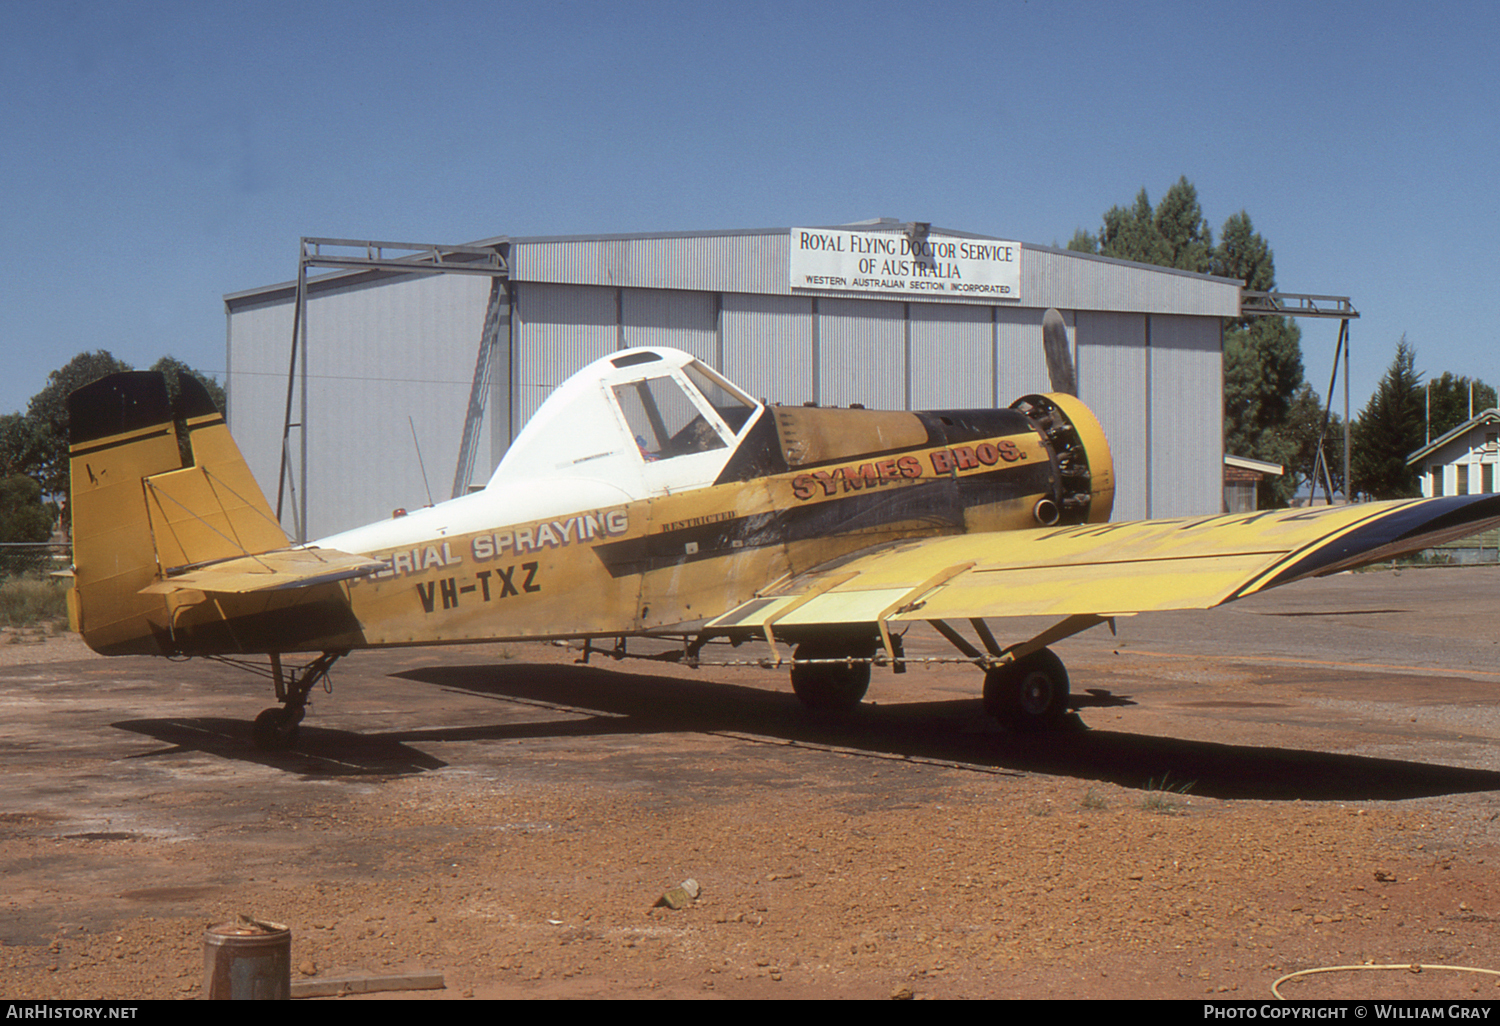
(275, 729)
(1029, 694)
(832, 686)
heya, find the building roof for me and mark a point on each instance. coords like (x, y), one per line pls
(755, 260)
(1491, 416)
(1259, 466)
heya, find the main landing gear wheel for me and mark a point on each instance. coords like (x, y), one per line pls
(1029, 694)
(832, 687)
(275, 729)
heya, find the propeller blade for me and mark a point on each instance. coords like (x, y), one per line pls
(1059, 353)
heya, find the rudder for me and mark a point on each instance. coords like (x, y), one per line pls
(120, 432)
(139, 514)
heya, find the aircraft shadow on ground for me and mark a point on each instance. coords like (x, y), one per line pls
(1327, 612)
(319, 751)
(956, 731)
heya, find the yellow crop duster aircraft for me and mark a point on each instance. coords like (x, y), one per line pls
(651, 497)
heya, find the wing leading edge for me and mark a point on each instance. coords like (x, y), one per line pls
(1111, 569)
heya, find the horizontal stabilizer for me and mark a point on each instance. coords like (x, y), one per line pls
(269, 571)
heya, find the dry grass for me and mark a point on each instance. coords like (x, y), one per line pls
(33, 602)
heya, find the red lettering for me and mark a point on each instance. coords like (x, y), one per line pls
(803, 486)
(942, 462)
(987, 454)
(910, 466)
(888, 471)
(1009, 453)
(827, 481)
(965, 458)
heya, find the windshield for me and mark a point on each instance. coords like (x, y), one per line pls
(663, 420)
(731, 407)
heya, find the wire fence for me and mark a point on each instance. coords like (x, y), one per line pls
(18, 558)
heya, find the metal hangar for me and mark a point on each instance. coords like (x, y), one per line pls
(413, 366)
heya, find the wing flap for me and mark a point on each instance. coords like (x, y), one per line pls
(269, 571)
(1112, 569)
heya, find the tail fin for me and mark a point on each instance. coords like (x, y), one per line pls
(139, 513)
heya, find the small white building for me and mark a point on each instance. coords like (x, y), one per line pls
(1461, 462)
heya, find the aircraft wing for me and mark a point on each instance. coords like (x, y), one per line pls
(269, 571)
(1110, 569)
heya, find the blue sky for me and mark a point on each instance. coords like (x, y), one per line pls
(157, 155)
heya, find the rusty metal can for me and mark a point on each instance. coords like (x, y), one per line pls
(247, 962)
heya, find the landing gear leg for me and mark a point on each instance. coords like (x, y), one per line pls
(275, 729)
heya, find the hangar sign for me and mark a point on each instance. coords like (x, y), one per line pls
(897, 262)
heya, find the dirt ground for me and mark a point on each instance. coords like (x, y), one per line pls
(1304, 780)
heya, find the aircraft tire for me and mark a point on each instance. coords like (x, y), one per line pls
(275, 729)
(829, 687)
(1030, 694)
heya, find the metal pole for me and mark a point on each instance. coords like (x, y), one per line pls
(1333, 379)
(302, 418)
(299, 307)
(1349, 485)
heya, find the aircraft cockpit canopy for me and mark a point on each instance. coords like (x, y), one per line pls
(645, 421)
(666, 421)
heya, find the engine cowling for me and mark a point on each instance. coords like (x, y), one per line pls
(1085, 489)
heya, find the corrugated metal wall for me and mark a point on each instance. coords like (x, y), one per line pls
(1147, 342)
(259, 345)
(768, 345)
(1112, 380)
(1187, 405)
(754, 262)
(1156, 384)
(558, 329)
(757, 262)
(953, 357)
(364, 400)
(1023, 364)
(861, 353)
(679, 320)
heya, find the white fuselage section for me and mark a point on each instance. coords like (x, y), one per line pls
(593, 444)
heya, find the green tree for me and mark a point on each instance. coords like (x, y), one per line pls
(46, 457)
(1305, 426)
(1180, 224)
(173, 369)
(1130, 233)
(24, 518)
(1262, 386)
(1083, 242)
(36, 443)
(1172, 234)
(1263, 372)
(1448, 402)
(1243, 254)
(1389, 429)
(18, 441)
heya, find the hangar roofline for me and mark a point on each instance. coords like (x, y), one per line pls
(356, 276)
